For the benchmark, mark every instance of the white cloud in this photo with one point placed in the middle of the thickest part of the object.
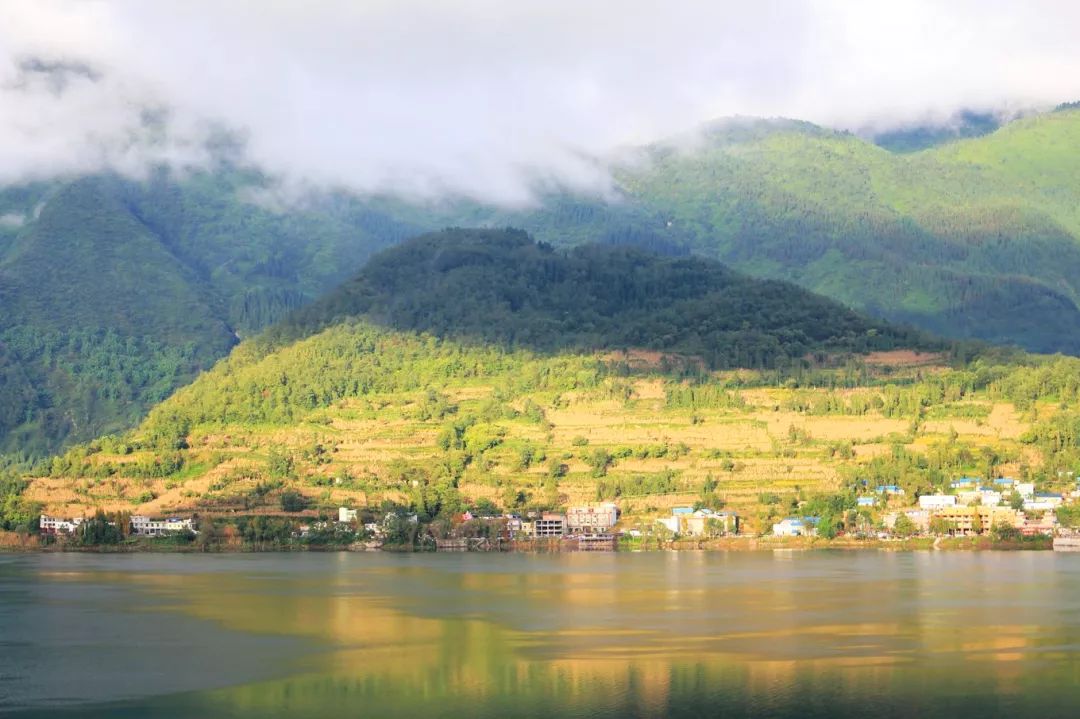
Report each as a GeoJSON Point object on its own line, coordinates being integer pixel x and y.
{"type": "Point", "coordinates": [484, 97]}
{"type": "Point", "coordinates": [12, 219]}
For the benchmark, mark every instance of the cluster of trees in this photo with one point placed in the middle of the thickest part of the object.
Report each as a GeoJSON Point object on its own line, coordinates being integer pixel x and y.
{"type": "Point", "coordinates": [702, 395]}
{"type": "Point", "coordinates": [499, 287]}
{"type": "Point", "coordinates": [352, 360]}
{"type": "Point", "coordinates": [15, 512]}
{"type": "Point", "coordinates": [104, 528]}
{"type": "Point", "coordinates": [637, 485]}
{"type": "Point", "coordinates": [78, 384]}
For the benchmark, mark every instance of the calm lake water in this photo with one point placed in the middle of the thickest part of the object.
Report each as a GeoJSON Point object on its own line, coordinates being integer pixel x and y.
{"type": "Point", "coordinates": [804, 634]}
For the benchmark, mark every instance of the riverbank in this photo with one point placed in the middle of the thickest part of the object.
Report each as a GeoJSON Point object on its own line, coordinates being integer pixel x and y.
{"type": "Point", "coordinates": [12, 542]}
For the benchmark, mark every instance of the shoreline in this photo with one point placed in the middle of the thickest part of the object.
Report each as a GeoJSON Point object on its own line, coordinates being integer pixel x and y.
{"type": "Point", "coordinates": [12, 543]}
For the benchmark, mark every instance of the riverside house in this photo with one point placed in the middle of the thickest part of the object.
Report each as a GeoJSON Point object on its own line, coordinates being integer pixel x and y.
{"type": "Point", "coordinates": [690, 522]}
{"type": "Point", "coordinates": [592, 518]}
{"type": "Point", "coordinates": [144, 526]}
{"type": "Point", "coordinates": [920, 518]}
{"type": "Point", "coordinates": [795, 527]}
{"type": "Point", "coordinates": [55, 525]}
{"type": "Point", "coordinates": [549, 524]}
{"type": "Point", "coordinates": [962, 520]}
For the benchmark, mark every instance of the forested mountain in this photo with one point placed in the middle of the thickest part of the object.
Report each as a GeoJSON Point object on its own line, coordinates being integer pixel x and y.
{"type": "Point", "coordinates": [478, 368]}
{"type": "Point", "coordinates": [976, 238]}
{"type": "Point", "coordinates": [477, 303]}
{"type": "Point", "coordinates": [492, 316]}
{"type": "Point", "coordinates": [114, 292]}
{"type": "Point", "coordinates": [500, 287]}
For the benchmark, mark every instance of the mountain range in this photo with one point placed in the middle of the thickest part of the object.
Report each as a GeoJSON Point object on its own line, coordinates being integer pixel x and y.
{"type": "Point", "coordinates": [117, 291]}
{"type": "Point", "coordinates": [480, 368]}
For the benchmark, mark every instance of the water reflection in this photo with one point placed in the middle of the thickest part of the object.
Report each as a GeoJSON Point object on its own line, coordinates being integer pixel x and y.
{"type": "Point", "coordinates": [686, 634]}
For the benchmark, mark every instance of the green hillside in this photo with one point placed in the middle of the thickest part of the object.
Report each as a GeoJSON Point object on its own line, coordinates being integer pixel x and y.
{"type": "Point", "coordinates": [473, 368]}
{"type": "Point", "coordinates": [977, 238]}
{"type": "Point", "coordinates": [466, 302]}
{"type": "Point", "coordinates": [115, 293]}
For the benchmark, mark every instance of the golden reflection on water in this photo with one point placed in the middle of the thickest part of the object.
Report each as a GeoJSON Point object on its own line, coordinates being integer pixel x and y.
{"type": "Point", "coordinates": [414, 634]}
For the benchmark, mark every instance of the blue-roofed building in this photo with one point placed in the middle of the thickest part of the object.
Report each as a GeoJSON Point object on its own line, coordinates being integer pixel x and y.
{"type": "Point", "coordinates": [1004, 482]}
{"type": "Point", "coordinates": [889, 489]}
{"type": "Point", "coordinates": [682, 510]}
{"type": "Point", "coordinates": [965, 482]}
{"type": "Point", "coordinates": [795, 527]}
{"type": "Point", "coordinates": [1043, 502]}
{"type": "Point", "coordinates": [789, 527]}
{"type": "Point", "coordinates": [865, 501]}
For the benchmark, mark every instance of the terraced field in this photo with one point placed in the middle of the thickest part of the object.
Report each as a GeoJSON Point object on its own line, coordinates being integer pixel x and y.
{"type": "Point", "coordinates": [754, 458]}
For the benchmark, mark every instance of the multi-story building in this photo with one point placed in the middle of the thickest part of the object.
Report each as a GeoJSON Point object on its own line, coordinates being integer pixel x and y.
{"type": "Point", "coordinates": [919, 517]}
{"type": "Point", "coordinates": [346, 515]}
{"type": "Point", "coordinates": [549, 524]}
{"type": "Point", "coordinates": [981, 495]}
{"type": "Point", "coordinates": [144, 526]}
{"type": "Point", "coordinates": [55, 525]}
{"type": "Point", "coordinates": [1045, 524]}
{"type": "Point", "coordinates": [592, 519]}
{"type": "Point", "coordinates": [962, 520]}
{"type": "Point", "coordinates": [1043, 502]}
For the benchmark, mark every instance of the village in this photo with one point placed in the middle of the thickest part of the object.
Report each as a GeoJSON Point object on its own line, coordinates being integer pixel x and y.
{"type": "Point", "coordinates": [1004, 507]}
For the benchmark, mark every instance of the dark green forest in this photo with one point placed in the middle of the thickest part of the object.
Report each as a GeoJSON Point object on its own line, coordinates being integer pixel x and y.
{"type": "Point", "coordinates": [500, 287]}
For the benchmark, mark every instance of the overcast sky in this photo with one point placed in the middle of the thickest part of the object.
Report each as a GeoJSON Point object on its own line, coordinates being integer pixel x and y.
{"type": "Point", "coordinates": [483, 97]}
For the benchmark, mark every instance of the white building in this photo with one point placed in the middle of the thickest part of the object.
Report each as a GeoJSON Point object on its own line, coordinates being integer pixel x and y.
{"type": "Point", "coordinates": [937, 501]}
{"type": "Point", "coordinates": [144, 526]}
{"type": "Point", "coordinates": [985, 497]}
{"type": "Point", "coordinates": [794, 527]}
{"type": "Point", "coordinates": [919, 517]}
{"type": "Point", "coordinates": [672, 523]}
{"type": "Point", "coordinates": [1025, 489]}
{"type": "Point", "coordinates": [55, 525]}
{"type": "Point", "coordinates": [702, 522]}
{"type": "Point", "coordinates": [345, 515]}
{"type": "Point", "coordinates": [1043, 502]}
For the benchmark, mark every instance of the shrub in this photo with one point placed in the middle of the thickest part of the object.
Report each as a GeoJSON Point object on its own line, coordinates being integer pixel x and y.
{"type": "Point", "coordinates": [293, 501]}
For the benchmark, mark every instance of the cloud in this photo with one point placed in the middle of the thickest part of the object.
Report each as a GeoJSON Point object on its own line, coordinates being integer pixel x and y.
{"type": "Point", "coordinates": [487, 98]}
{"type": "Point", "coordinates": [12, 219]}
